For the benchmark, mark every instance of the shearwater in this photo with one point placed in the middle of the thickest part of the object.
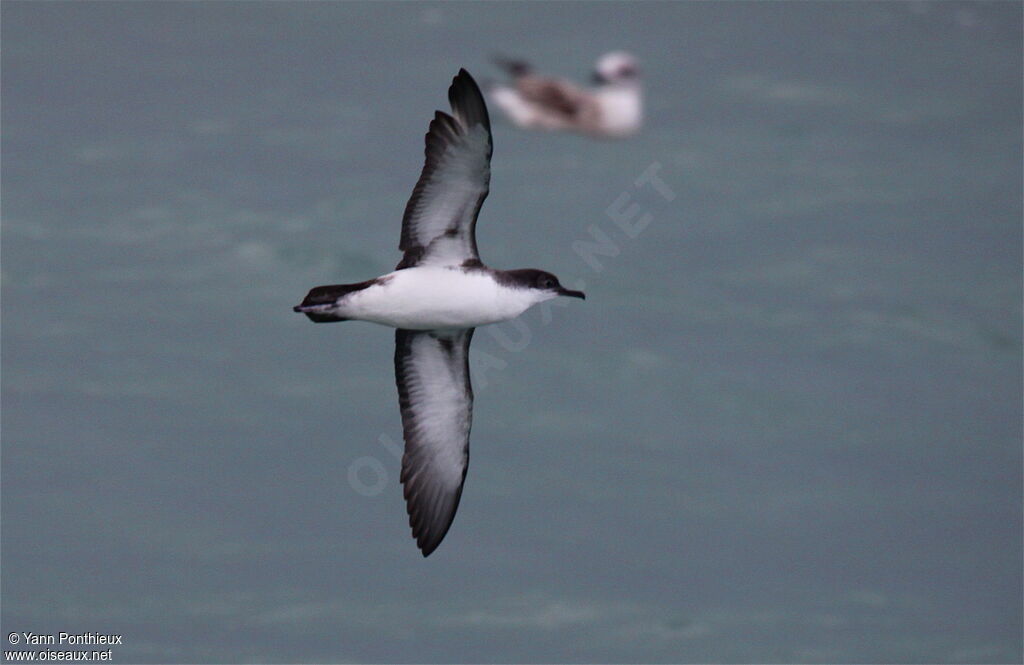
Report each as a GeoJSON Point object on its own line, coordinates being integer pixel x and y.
{"type": "Point", "coordinates": [439, 293]}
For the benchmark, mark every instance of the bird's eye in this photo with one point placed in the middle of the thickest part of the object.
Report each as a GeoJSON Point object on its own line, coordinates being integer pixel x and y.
{"type": "Point", "coordinates": [545, 282]}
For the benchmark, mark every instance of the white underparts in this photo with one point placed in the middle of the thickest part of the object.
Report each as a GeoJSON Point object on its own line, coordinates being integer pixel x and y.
{"type": "Point", "coordinates": [431, 298]}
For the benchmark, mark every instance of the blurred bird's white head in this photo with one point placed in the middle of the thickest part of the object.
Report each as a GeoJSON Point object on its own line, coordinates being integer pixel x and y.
{"type": "Point", "coordinates": [617, 67]}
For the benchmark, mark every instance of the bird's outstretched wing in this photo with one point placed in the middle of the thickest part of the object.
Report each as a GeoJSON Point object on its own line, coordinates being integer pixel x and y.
{"type": "Point", "coordinates": [436, 399]}
{"type": "Point", "coordinates": [439, 226]}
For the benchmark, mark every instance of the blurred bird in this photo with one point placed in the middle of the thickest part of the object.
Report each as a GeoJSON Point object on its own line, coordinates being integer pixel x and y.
{"type": "Point", "coordinates": [613, 108]}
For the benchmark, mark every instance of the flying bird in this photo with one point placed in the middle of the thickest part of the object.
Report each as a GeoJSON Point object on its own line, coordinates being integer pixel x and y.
{"type": "Point", "coordinates": [611, 109]}
{"type": "Point", "coordinates": [435, 298]}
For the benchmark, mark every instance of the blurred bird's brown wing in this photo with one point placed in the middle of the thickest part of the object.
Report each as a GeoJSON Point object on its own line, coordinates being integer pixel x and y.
{"type": "Point", "coordinates": [555, 96]}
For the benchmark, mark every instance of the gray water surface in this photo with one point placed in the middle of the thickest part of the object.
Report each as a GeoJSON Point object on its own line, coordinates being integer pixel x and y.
{"type": "Point", "coordinates": [785, 426]}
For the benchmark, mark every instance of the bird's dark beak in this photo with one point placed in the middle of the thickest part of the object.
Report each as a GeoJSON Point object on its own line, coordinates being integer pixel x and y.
{"type": "Point", "coordinates": [572, 294]}
{"type": "Point", "coordinates": [596, 78]}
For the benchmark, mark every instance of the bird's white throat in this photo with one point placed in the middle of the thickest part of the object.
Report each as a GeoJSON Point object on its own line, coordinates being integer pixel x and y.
{"type": "Point", "coordinates": [621, 108]}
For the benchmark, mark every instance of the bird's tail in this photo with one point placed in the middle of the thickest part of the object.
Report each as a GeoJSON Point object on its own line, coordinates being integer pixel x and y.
{"type": "Point", "coordinates": [317, 315]}
{"type": "Point", "coordinates": [321, 303]}
{"type": "Point", "coordinates": [512, 66]}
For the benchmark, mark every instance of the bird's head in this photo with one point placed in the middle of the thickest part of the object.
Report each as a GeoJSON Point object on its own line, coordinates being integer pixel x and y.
{"type": "Point", "coordinates": [617, 67]}
{"type": "Point", "coordinates": [543, 284]}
